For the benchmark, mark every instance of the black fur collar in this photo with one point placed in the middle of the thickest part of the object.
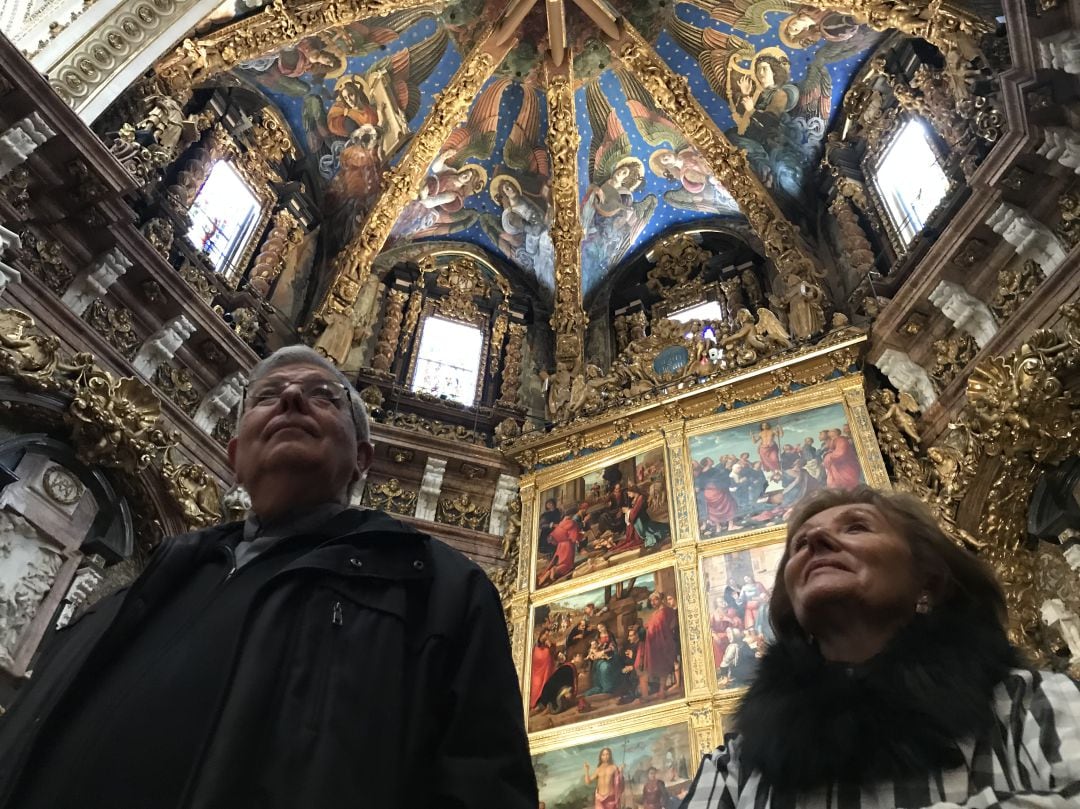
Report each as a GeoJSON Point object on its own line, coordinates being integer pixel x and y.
{"type": "Point", "coordinates": [807, 722]}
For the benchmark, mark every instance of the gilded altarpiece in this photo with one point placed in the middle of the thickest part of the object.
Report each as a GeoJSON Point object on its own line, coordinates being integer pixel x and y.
{"type": "Point", "coordinates": [649, 550]}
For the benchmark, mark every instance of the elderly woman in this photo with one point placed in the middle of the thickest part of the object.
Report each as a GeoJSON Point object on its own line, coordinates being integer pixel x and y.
{"type": "Point", "coordinates": [892, 682]}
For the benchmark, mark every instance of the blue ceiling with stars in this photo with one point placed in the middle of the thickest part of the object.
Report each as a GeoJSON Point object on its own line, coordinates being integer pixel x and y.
{"type": "Point", "coordinates": [771, 75]}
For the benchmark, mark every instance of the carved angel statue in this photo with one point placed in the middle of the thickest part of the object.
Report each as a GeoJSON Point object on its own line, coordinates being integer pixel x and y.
{"type": "Point", "coordinates": [753, 340]}
{"type": "Point", "coordinates": [195, 491]}
{"type": "Point", "coordinates": [23, 352]}
{"type": "Point", "coordinates": [901, 412]}
{"type": "Point", "coordinates": [804, 299]}
{"type": "Point", "coordinates": [585, 390]}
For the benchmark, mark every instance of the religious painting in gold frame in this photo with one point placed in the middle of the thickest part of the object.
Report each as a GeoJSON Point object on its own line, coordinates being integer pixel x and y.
{"type": "Point", "coordinates": [736, 583]}
{"type": "Point", "coordinates": [605, 650]}
{"type": "Point", "coordinates": [650, 762]}
{"type": "Point", "coordinates": [750, 465]}
{"type": "Point", "coordinates": [610, 509]}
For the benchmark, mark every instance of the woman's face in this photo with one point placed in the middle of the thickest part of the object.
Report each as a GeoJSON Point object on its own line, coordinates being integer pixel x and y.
{"type": "Point", "coordinates": [765, 74]}
{"type": "Point", "coordinates": [850, 555]}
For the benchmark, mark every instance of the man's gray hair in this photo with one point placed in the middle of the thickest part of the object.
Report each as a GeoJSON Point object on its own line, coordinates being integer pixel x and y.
{"type": "Point", "coordinates": [305, 355]}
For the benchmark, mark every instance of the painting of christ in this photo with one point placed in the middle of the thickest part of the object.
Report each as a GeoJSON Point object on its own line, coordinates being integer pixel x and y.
{"type": "Point", "coordinates": [750, 476]}
{"type": "Point", "coordinates": [650, 769]}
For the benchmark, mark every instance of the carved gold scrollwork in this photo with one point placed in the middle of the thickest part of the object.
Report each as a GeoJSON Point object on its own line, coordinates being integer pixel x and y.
{"type": "Point", "coordinates": [1015, 286]}
{"type": "Point", "coordinates": [285, 235]}
{"type": "Point", "coordinates": [390, 496]}
{"type": "Point", "coordinates": [195, 491]}
{"type": "Point", "coordinates": [463, 512]}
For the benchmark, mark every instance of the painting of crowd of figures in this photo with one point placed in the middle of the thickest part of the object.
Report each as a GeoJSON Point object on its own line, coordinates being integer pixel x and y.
{"type": "Point", "coordinates": [628, 597]}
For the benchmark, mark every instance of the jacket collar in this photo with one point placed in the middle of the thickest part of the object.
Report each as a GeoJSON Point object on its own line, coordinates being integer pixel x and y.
{"type": "Point", "coordinates": [806, 722]}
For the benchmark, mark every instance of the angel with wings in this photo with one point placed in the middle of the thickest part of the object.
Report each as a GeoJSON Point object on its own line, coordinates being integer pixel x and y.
{"type": "Point", "coordinates": [610, 216]}
{"type": "Point", "coordinates": [778, 121]}
{"type": "Point", "coordinates": [801, 26]}
{"type": "Point", "coordinates": [675, 159]}
{"type": "Point", "coordinates": [440, 210]}
{"type": "Point", "coordinates": [521, 188]}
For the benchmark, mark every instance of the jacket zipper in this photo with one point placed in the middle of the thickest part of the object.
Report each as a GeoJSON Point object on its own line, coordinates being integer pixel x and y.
{"type": "Point", "coordinates": [336, 617]}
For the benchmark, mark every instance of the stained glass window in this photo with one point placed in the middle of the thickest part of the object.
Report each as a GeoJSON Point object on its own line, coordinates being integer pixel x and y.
{"type": "Point", "coordinates": [223, 218]}
{"type": "Point", "coordinates": [911, 180]}
{"type": "Point", "coordinates": [448, 362]}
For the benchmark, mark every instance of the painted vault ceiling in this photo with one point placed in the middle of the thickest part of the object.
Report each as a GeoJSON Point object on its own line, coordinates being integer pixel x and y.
{"type": "Point", "coordinates": [771, 75]}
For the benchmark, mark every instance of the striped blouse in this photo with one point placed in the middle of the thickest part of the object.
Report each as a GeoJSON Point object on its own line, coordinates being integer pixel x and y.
{"type": "Point", "coordinates": [1032, 761]}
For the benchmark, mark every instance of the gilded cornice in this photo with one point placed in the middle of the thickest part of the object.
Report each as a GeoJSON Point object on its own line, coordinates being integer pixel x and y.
{"type": "Point", "coordinates": [400, 185]}
{"type": "Point", "coordinates": [568, 321]}
{"type": "Point", "coordinates": [276, 26]}
{"type": "Point", "coordinates": [782, 240]}
{"type": "Point", "coordinates": [837, 352]}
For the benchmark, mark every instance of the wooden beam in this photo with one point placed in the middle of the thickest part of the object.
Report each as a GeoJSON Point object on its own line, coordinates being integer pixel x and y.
{"type": "Point", "coordinates": [351, 271]}
{"type": "Point", "coordinates": [556, 20]}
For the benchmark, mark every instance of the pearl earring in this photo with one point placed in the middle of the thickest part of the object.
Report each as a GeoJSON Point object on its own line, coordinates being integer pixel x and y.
{"type": "Point", "coordinates": [922, 606]}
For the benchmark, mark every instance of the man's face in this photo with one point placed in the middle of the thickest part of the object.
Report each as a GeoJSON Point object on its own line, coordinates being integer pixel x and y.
{"type": "Point", "coordinates": [310, 439]}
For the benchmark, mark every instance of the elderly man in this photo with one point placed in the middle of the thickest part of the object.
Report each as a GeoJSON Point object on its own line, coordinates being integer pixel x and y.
{"type": "Point", "coordinates": [314, 657]}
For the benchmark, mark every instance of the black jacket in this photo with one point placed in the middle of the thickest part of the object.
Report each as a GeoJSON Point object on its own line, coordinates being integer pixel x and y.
{"type": "Point", "coordinates": [365, 664]}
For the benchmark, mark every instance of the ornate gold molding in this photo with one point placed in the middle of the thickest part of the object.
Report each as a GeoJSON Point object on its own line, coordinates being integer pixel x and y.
{"type": "Point", "coordinates": [390, 495]}
{"type": "Point", "coordinates": [463, 512]}
{"type": "Point", "coordinates": [797, 267]}
{"type": "Point", "coordinates": [276, 26]}
{"type": "Point", "coordinates": [353, 265]}
{"type": "Point", "coordinates": [568, 320]}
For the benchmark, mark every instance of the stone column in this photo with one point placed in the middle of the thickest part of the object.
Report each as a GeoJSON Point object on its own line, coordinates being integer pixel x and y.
{"type": "Point", "coordinates": [907, 376]}
{"type": "Point", "coordinates": [386, 347]}
{"type": "Point", "coordinates": [8, 274]}
{"type": "Point", "coordinates": [220, 401]}
{"type": "Point", "coordinates": [967, 312]}
{"type": "Point", "coordinates": [18, 142]}
{"type": "Point", "coordinates": [505, 489]}
{"type": "Point", "coordinates": [162, 346]}
{"type": "Point", "coordinates": [427, 500]}
{"type": "Point", "coordinates": [95, 282]}
{"type": "Point", "coordinates": [511, 370]}
{"type": "Point", "coordinates": [856, 253]}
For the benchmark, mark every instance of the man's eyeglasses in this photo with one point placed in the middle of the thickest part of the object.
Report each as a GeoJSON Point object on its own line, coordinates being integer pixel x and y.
{"type": "Point", "coordinates": [319, 392]}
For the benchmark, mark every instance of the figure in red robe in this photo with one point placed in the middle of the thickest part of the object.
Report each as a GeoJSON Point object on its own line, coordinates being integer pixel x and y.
{"type": "Point", "coordinates": [566, 536]}
{"type": "Point", "coordinates": [767, 439]}
{"type": "Point", "coordinates": [658, 650]}
{"type": "Point", "coordinates": [543, 666]}
{"type": "Point", "coordinates": [841, 463]}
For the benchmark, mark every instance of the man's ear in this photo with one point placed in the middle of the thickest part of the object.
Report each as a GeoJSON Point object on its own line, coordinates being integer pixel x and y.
{"type": "Point", "coordinates": [365, 454]}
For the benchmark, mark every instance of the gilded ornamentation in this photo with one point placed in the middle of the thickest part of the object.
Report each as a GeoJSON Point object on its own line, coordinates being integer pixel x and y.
{"type": "Point", "coordinates": [285, 235]}
{"type": "Point", "coordinates": [62, 486]}
{"type": "Point", "coordinates": [45, 259]}
{"type": "Point", "coordinates": [159, 232]}
{"type": "Point", "coordinates": [353, 265]}
{"type": "Point", "coordinates": [176, 383]}
{"type": "Point", "coordinates": [115, 422]}
{"type": "Point", "coordinates": [511, 553]}
{"type": "Point", "coordinates": [1014, 287]}
{"type": "Point", "coordinates": [14, 189]}
{"type": "Point", "coordinates": [511, 370]}
{"type": "Point", "coordinates": [189, 179]}
{"type": "Point", "coordinates": [195, 491]}
{"type": "Point", "coordinates": [782, 241]}
{"type": "Point", "coordinates": [1068, 228]}
{"type": "Point", "coordinates": [412, 318]}
{"type": "Point", "coordinates": [277, 25]}
{"type": "Point", "coordinates": [439, 429]}
{"type": "Point", "coordinates": [676, 274]}
{"type": "Point", "coordinates": [116, 325]}
{"type": "Point", "coordinates": [198, 280]}
{"type": "Point", "coordinates": [855, 251]}
{"type": "Point", "coordinates": [951, 356]}
{"type": "Point", "coordinates": [245, 322]}
{"type": "Point", "coordinates": [463, 512]}
{"type": "Point", "coordinates": [568, 320]}
{"type": "Point", "coordinates": [464, 281]}
{"type": "Point", "coordinates": [498, 333]}
{"type": "Point", "coordinates": [390, 496]}
{"type": "Point", "coordinates": [386, 347]}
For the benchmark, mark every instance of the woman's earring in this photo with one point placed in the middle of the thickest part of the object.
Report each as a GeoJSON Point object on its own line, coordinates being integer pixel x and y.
{"type": "Point", "coordinates": [922, 606]}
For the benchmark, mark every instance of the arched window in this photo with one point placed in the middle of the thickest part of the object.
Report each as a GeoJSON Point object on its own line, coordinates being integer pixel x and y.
{"type": "Point", "coordinates": [448, 360]}
{"type": "Point", "coordinates": [910, 180]}
{"type": "Point", "coordinates": [224, 218]}
{"type": "Point", "coordinates": [707, 311]}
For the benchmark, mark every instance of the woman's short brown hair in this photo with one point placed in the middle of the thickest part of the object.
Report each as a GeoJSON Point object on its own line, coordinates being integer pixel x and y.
{"type": "Point", "coordinates": [958, 579]}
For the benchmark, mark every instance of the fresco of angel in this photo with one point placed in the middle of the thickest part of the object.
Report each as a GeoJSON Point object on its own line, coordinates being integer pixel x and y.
{"type": "Point", "coordinates": [801, 26]}
{"type": "Point", "coordinates": [521, 189]}
{"type": "Point", "coordinates": [676, 159]}
{"type": "Point", "coordinates": [611, 217]}
{"type": "Point", "coordinates": [440, 208]}
{"type": "Point", "coordinates": [779, 121]}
